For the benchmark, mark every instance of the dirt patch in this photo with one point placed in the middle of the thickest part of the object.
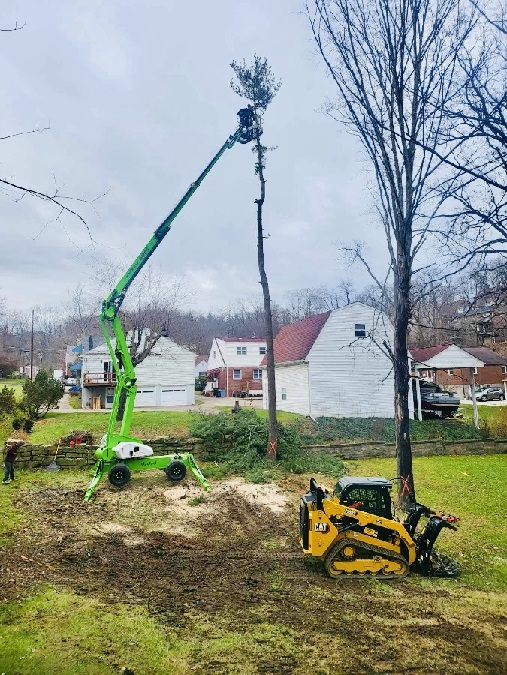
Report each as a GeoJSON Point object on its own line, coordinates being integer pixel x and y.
{"type": "Point", "coordinates": [235, 558]}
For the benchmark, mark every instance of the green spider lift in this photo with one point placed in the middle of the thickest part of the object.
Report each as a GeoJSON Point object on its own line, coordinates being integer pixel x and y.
{"type": "Point", "coordinates": [120, 453]}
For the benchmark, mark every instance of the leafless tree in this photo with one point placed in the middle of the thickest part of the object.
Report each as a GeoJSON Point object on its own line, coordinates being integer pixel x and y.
{"type": "Point", "coordinates": [257, 83]}
{"type": "Point", "coordinates": [476, 148]}
{"type": "Point", "coordinates": [17, 190]}
{"type": "Point", "coordinates": [393, 63]}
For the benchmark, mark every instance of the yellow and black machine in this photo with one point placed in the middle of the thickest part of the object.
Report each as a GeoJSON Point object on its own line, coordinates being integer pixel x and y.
{"type": "Point", "coordinates": [353, 531]}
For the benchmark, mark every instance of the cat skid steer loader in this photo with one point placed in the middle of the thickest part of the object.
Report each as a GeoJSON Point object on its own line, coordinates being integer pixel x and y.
{"type": "Point", "coordinates": [354, 533]}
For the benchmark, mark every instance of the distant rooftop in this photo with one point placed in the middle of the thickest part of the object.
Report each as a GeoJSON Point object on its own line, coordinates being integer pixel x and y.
{"type": "Point", "coordinates": [242, 339]}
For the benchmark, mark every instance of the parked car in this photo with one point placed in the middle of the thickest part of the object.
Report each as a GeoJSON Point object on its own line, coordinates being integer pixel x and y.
{"type": "Point", "coordinates": [435, 402]}
{"type": "Point", "coordinates": [75, 389]}
{"type": "Point", "coordinates": [491, 394]}
{"type": "Point", "coordinates": [71, 381]}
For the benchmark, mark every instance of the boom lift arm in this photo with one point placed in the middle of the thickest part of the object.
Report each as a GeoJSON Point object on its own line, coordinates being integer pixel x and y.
{"type": "Point", "coordinates": [120, 453]}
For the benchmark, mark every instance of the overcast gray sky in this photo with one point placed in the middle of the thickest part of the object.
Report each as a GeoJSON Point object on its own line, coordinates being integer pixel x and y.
{"type": "Point", "coordinates": [138, 98]}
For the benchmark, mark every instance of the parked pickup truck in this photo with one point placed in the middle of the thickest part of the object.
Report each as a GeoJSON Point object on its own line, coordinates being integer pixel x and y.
{"type": "Point", "coordinates": [435, 402]}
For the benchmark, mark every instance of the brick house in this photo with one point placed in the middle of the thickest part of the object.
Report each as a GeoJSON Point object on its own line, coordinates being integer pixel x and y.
{"type": "Point", "coordinates": [493, 372]}
{"type": "Point", "coordinates": [234, 366]}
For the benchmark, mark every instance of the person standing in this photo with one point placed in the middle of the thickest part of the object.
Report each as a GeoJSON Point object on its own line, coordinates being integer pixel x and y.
{"type": "Point", "coordinates": [10, 454]}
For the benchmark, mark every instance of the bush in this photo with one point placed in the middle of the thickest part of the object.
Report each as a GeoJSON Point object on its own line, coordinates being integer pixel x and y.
{"type": "Point", "coordinates": [8, 403]}
{"type": "Point", "coordinates": [237, 443]}
{"type": "Point", "coordinates": [41, 394]}
{"type": "Point", "coordinates": [22, 423]}
{"type": "Point", "coordinates": [201, 382]}
{"type": "Point", "coordinates": [17, 423]}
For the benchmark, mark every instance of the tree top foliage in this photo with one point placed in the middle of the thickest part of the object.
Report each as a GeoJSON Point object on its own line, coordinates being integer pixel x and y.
{"type": "Point", "coordinates": [256, 82]}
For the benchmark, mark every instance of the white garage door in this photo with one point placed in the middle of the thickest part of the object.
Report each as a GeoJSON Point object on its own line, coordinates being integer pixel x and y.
{"type": "Point", "coordinates": [145, 398]}
{"type": "Point", "coordinates": [173, 396]}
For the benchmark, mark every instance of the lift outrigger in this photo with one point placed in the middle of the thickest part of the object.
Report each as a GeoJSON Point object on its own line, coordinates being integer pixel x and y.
{"type": "Point", "coordinates": [120, 453]}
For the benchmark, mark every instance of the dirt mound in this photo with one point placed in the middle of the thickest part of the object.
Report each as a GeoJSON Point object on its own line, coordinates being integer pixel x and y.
{"type": "Point", "coordinates": [175, 543]}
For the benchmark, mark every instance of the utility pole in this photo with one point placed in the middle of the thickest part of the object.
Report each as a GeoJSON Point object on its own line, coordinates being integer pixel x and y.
{"type": "Point", "coordinates": [31, 350]}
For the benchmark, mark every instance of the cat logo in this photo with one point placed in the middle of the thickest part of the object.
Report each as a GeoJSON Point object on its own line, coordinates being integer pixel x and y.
{"type": "Point", "coordinates": [370, 531]}
{"type": "Point", "coordinates": [321, 527]}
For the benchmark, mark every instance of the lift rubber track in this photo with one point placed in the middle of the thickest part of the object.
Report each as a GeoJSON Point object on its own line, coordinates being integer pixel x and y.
{"type": "Point", "coordinates": [364, 553]}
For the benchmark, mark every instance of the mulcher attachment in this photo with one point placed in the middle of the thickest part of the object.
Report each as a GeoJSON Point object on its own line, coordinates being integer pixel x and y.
{"type": "Point", "coordinates": [428, 562]}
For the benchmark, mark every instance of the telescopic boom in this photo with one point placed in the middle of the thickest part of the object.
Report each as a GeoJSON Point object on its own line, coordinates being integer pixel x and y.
{"type": "Point", "coordinates": [109, 455]}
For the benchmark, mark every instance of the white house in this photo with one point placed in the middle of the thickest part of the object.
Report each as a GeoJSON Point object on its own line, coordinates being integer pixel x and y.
{"type": "Point", "coordinates": [164, 378]}
{"type": "Point", "coordinates": [234, 366]}
{"type": "Point", "coordinates": [335, 365]}
{"type": "Point", "coordinates": [201, 365]}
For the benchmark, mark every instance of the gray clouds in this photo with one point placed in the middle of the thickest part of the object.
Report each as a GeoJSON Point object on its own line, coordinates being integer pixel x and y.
{"type": "Point", "coordinates": [139, 101]}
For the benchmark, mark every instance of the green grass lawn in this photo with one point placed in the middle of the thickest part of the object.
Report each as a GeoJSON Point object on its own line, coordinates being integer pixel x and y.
{"type": "Point", "coordinates": [492, 418]}
{"type": "Point", "coordinates": [145, 425]}
{"type": "Point", "coordinates": [156, 424]}
{"type": "Point", "coordinates": [11, 383]}
{"type": "Point", "coordinates": [474, 489]}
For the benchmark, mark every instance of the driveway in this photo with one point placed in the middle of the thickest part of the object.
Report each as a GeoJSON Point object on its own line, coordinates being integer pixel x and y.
{"type": "Point", "coordinates": [207, 404]}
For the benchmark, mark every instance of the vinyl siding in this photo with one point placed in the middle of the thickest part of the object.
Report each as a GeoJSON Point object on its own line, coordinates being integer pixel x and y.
{"type": "Point", "coordinates": [294, 380]}
{"type": "Point", "coordinates": [226, 354]}
{"type": "Point", "coordinates": [169, 365]}
{"type": "Point", "coordinates": [349, 376]}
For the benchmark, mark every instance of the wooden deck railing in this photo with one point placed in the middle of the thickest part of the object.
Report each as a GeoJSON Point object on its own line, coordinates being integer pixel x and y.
{"type": "Point", "coordinates": [103, 379]}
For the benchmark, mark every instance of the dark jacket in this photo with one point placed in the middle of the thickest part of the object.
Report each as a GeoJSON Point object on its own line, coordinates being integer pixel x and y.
{"type": "Point", "coordinates": [11, 453]}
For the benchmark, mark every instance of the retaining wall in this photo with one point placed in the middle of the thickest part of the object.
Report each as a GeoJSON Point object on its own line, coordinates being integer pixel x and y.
{"type": "Point", "coordinates": [419, 448]}
{"type": "Point", "coordinates": [36, 456]}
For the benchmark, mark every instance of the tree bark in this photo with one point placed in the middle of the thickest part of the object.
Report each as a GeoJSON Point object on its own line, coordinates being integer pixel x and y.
{"type": "Point", "coordinates": [403, 272]}
{"type": "Point", "coordinates": [268, 317]}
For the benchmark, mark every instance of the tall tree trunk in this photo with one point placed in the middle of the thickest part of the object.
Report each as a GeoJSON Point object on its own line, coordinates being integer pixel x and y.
{"type": "Point", "coordinates": [402, 277]}
{"type": "Point", "coordinates": [268, 317]}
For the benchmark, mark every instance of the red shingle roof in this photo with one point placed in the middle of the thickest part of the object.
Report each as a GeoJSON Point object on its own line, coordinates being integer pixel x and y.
{"type": "Point", "coordinates": [487, 356]}
{"type": "Point", "coordinates": [426, 353]}
{"type": "Point", "coordinates": [295, 341]}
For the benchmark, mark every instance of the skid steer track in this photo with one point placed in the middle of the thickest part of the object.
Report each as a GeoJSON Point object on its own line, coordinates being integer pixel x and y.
{"type": "Point", "coordinates": [383, 564]}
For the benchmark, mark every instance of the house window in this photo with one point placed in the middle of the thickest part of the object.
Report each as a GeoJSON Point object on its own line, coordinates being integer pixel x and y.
{"type": "Point", "coordinates": [214, 355]}
{"type": "Point", "coordinates": [476, 371]}
{"type": "Point", "coordinates": [236, 374]}
{"type": "Point", "coordinates": [241, 351]}
{"type": "Point", "coordinates": [284, 394]}
{"type": "Point", "coordinates": [450, 371]}
{"type": "Point", "coordinates": [257, 374]}
{"type": "Point", "coordinates": [504, 370]}
{"type": "Point", "coordinates": [360, 330]}
{"type": "Point", "coordinates": [262, 350]}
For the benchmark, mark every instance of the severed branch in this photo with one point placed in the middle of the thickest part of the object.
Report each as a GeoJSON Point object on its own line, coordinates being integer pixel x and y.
{"type": "Point", "coordinates": [11, 30]}
{"type": "Point", "coordinates": [25, 133]}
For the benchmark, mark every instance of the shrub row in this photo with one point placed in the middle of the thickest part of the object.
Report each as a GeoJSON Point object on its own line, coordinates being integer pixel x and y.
{"type": "Point", "coordinates": [238, 443]}
{"type": "Point", "coordinates": [329, 429]}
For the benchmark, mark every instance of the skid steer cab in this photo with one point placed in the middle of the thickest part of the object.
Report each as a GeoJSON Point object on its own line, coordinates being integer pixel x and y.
{"type": "Point", "coordinates": [354, 533]}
